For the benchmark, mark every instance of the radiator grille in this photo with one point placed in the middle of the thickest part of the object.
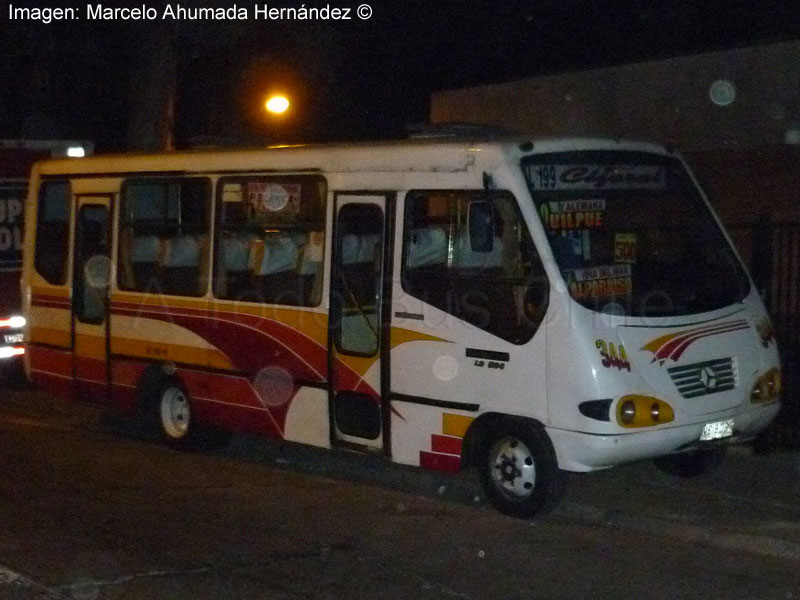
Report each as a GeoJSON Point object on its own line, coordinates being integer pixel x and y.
{"type": "Point", "coordinates": [701, 379]}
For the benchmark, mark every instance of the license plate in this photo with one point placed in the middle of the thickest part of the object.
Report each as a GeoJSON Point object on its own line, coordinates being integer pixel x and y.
{"type": "Point", "coordinates": [14, 338]}
{"type": "Point", "coordinates": [717, 431]}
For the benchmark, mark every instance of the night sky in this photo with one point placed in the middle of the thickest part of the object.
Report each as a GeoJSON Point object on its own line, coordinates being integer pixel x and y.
{"type": "Point", "coordinates": [355, 79]}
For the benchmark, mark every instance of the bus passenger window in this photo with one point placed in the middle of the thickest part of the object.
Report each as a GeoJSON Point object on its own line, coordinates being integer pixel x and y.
{"type": "Point", "coordinates": [469, 253]}
{"type": "Point", "coordinates": [164, 235]}
{"type": "Point", "coordinates": [270, 240]}
{"type": "Point", "coordinates": [52, 232]}
{"type": "Point", "coordinates": [356, 279]}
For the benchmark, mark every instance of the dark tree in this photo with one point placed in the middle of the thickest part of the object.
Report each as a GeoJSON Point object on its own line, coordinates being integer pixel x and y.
{"type": "Point", "coordinates": [153, 90]}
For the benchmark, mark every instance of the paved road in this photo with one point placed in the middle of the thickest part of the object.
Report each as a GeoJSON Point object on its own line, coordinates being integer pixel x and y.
{"type": "Point", "coordinates": [89, 511]}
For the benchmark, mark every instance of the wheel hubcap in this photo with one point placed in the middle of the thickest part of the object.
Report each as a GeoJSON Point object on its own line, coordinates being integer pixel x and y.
{"type": "Point", "coordinates": [513, 468]}
{"type": "Point", "coordinates": [175, 413]}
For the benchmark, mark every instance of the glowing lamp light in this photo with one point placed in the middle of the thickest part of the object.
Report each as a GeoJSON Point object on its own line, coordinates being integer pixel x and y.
{"type": "Point", "coordinates": [76, 152]}
{"type": "Point", "coordinates": [11, 351]}
{"type": "Point", "coordinates": [15, 322]}
{"type": "Point", "coordinates": [277, 104]}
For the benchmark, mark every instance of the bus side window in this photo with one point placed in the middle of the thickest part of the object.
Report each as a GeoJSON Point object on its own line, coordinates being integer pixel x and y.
{"type": "Point", "coordinates": [470, 254]}
{"type": "Point", "coordinates": [164, 231]}
{"type": "Point", "coordinates": [52, 232]}
{"type": "Point", "coordinates": [275, 260]}
{"type": "Point", "coordinates": [270, 239]}
{"type": "Point", "coordinates": [234, 252]}
{"type": "Point", "coordinates": [181, 265]}
{"type": "Point", "coordinates": [143, 252]}
{"type": "Point", "coordinates": [427, 246]}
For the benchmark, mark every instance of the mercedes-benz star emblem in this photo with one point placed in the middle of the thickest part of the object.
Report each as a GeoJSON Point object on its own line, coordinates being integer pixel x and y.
{"type": "Point", "coordinates": [708, 378]}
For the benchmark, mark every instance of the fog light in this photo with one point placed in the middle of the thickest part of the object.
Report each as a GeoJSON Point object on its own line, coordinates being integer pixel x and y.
{"type": "Point", "coordinates": [655, 411]}
{"type": "Point", "coordinates": [643, 411]}
{"type": "Point", "coordinates": [767, 388]}
{"type": "Point", "coordinates": [764, 388]}
{"type": "Point", "coordinates": [775, 383]}
{"type": "Point", "coordinates": [627, 412]}
{"type": "Point", "coordinates": [755, 394]}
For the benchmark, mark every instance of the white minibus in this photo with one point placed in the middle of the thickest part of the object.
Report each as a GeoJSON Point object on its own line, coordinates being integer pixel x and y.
{"type": "Point", "coordinates": [528, 308]}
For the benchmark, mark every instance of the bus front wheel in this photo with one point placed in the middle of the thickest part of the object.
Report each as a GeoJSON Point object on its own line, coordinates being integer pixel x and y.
{"type": "Point", "coordinates": [519, 470]}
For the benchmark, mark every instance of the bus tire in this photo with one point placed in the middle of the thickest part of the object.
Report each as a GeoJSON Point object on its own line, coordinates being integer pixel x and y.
{"type": "Point", "coordinates": [691, 463]}
{"type": "Point", "coordinates": [173, 414]}
{"type": "Point", "coordinates": [176, 425]}
{"type": "Point", "coordinates": [519, 470]}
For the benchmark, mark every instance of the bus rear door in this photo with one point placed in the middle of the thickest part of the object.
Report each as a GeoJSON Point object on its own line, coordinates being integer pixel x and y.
{"type": "Point", "coordinates": [91, 274]}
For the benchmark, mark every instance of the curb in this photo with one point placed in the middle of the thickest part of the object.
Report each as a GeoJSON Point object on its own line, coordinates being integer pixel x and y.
{"type": "Point", "coordinates": [707, 536]}
{"type": "Point", "coordinates": [15, 585]}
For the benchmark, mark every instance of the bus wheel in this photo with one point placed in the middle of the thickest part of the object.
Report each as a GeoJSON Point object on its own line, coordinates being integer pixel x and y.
{"type": "Point", "coordinates": [692, 463]}
{"type": "Point", "coordinates": [519, 470]}
{"type": "Point", "coordinates": [174, 414]}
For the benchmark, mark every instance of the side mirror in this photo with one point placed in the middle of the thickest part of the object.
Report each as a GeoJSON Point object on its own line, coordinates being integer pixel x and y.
{"type": "Point", "coordinates": [481, 226]}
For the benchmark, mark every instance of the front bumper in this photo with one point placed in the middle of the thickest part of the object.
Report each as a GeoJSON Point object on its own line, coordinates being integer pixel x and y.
{"type": "Point", "coordinates": [581, 452]}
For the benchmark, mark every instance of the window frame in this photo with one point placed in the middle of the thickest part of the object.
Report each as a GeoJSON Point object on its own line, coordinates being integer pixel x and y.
{"type": "Point", "coordinates": [41, 235]}
{"type": "Point", "coordinates": [207, 222]}
{"type": "Point", "coordinates": [677, 183]}
{"type": "Point", "coordinates": [81, 281]}
{"type": "Point", "coordinates": [455, 228]}
{"type": "Point", "coordinates": [310, 226]}
{"type": "Point", "coordinates": [338, 310]}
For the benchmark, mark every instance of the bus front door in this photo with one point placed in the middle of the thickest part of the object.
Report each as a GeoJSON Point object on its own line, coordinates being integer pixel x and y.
{"type": "Point", "coordinates": [359, 322]}
{"type": "Point", "coordinates": [91, 272]}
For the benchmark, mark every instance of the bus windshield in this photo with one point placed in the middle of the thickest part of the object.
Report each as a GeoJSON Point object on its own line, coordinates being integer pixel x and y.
{"type": "Point", "coordinates": [632, 235]}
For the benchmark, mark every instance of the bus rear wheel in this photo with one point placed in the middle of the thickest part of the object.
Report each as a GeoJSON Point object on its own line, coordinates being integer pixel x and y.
{"type": "Point", "coordinates": [176, 425]}
{"type": "Point", "coordinates": [519, 471]}
{"type": "Point", "coordinates": [175, 414]}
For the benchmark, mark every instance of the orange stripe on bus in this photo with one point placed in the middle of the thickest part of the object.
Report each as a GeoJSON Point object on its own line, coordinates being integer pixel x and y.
{"type": "Point", "coordinates": [52, 337]}
{"type": "Point", "coordinates": [402, 336]}
{"type": "Point", "coordinates": [170, 352]}
{"type": "Point", "coordinates": [91, 346]}
{"type": "Point", "coordinates": [455, 425]}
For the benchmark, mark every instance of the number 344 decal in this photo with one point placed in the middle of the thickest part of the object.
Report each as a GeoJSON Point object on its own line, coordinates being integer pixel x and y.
{"type": "Point", "coordinates": [613, 356]}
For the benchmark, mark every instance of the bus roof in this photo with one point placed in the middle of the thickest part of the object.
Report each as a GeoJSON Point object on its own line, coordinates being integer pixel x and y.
{"type": "Point", "coordinates": [413, 155]}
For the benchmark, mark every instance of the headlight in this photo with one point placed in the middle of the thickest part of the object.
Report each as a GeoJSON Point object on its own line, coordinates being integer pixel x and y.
{"type": "Point", "coordinates": [767, 388]}
{"type": "Point", "coordinates": [643, 411]}
{"type": "Point", "coordinates": [16, 322]}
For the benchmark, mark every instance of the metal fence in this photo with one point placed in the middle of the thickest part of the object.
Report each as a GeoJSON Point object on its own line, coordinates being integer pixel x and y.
{"type": "Point", "coordinates": [773, 252]}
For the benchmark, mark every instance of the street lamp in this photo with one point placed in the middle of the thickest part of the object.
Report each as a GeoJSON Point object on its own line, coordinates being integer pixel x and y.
{"type": "Point", "coordinates": [277, 104]}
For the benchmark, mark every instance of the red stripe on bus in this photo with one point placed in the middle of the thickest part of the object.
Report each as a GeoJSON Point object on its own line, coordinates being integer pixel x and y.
{"type": "Point", "coordinates": [57, 362]}
{"type": "Point", "coordinates": [446, 444]}
{"type": "Point", "coordinates": [439, 462]}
